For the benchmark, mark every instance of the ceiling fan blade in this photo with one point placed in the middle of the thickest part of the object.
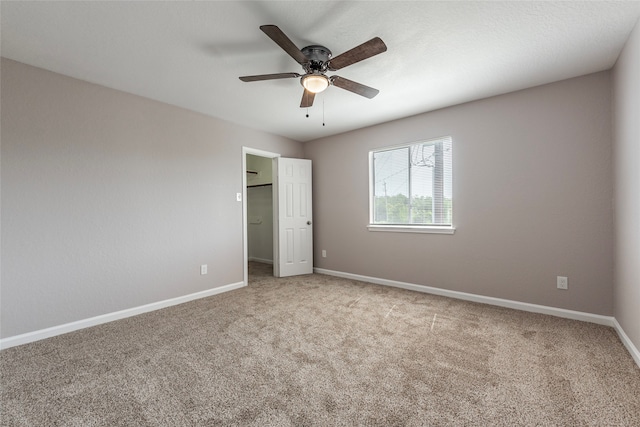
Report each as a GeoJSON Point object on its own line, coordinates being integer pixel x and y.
{"type": "Point", "coordinates": [307, 99]}
{"type": "Point", "coordinates": [351, 86]}
{"type": "Point", "coordinates": [268, 77]}
{"type": "Point", "coordinates": [284, 42]}
{"type": "Point", "coordinates": [358, 53]}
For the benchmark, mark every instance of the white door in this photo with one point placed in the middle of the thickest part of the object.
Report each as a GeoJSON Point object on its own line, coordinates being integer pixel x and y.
{"type": "Point", "coordinates": [294, 229]}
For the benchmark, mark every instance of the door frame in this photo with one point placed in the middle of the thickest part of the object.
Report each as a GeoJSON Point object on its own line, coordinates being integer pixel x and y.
{"type": "Point", "coordinates": [245, 245]}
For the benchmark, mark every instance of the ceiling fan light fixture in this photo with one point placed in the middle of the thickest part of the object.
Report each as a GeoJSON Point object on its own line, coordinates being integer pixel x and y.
{"type": "Point", "coordinates": [315, 83]}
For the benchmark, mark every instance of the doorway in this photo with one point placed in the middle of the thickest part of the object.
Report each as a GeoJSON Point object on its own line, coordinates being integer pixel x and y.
{"type": "Point", "coordinates": [258, 208]}
{"type": "Point", "coordinates": [286, 188]}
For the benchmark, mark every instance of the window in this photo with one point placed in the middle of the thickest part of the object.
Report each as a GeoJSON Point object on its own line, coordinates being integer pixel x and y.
{"type": "Point", "coordinates": [412, 187]}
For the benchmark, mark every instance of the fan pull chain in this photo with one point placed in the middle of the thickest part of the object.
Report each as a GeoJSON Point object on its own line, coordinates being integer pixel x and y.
{"type": "Point", "coordinates": [323, 111]}
{"type": "Point", "coordinates": [307, 114]}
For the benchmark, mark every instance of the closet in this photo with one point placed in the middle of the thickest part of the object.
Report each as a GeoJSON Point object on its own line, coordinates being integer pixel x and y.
{"type": "Point", "coordinates": [259, 209]}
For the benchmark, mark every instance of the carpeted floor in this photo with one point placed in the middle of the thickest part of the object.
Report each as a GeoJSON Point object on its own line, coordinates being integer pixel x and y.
{"type": "Point", "coordinates": [319, 350]}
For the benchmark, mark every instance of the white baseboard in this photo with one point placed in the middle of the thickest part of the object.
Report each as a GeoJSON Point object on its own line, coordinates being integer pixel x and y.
{"type": "Point", "coordinates": [110, 317]}
{"type": "Point", "coordinates": [517, 305]}
{"type": "Point", "coordinates": [262, 260]}
{"type": "Point", "coordinates": [627, 342]}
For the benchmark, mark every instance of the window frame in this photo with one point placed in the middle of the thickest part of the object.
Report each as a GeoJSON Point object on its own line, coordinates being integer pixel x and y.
{"type": "Point", "coordinates": [406, 228]}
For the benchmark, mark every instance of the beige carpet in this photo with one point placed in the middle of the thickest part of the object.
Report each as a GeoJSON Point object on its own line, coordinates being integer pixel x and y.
{"type": "Point", "coordinates": [317, 350]}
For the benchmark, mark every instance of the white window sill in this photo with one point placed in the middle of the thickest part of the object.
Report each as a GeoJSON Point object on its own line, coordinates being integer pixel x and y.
{"type": "Point", "coordinates": [412, 228]}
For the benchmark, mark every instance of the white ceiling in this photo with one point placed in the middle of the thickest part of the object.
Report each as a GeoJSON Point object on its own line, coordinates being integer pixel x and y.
{"type": "Point", "coordinates": [190, 54]}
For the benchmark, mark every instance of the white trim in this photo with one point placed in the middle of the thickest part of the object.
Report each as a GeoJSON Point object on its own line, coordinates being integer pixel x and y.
{"type": "Point", "coordinates": [275, 194]}
{"type": "Point", "coordinates": [412, 228]}
{"type": "Point", "coordinates": [517, 305]}
{"type": "Point", "coordinates": [627, 342]}
{"type": "Point", "coordinates": [110, 317]}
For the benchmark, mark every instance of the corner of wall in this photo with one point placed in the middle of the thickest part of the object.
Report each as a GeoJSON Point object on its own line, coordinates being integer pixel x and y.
{"type": "Point", "coordinates": [626, 200]}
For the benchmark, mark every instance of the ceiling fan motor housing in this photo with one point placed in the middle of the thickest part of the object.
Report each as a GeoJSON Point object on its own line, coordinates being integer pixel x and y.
{"type": "Point", "coordinates": [318, 56]}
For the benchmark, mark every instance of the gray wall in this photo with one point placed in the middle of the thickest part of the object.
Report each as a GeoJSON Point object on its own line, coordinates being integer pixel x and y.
{"type": "Point", "coordinates": [112, 201]}
{"type": "Point", "coordinates": [627, 183]}
{"type": "Point", "coordinates": [532, 199]}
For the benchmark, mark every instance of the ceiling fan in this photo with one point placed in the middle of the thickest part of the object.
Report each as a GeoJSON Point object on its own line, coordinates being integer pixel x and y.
{"type": "Point", "coordinates": [316, 60]}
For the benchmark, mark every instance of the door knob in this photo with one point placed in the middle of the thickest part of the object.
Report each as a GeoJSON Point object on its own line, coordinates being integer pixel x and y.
{"type": "Point", "coordinates": [308, 222]}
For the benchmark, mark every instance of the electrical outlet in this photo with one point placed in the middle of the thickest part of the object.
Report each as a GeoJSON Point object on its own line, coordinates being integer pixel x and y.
{"type": "Point", "coordinates": [203, 269]}
{"type": "Point", "coordinates": [563, 282]}
{"type": "Point", "coordinates": [324, 253]}
{"type": "Point", "coordinates": [238, 197]}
